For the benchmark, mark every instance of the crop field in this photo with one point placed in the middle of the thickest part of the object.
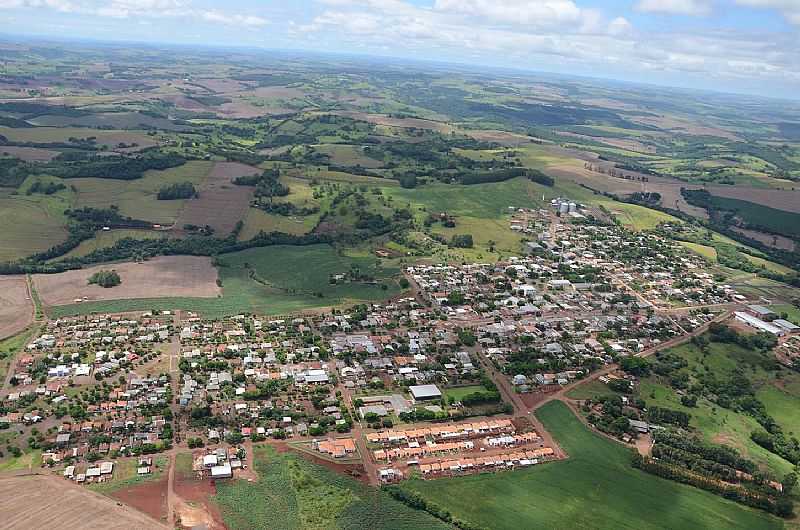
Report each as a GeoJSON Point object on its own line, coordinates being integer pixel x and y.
{"type": "Point", "coordinates": [16, 307]}
{"type": "Point", "coordinates": [596, 487]}
{"type": "Point", "coordinates": [168, 276]}
{"type": "Point", "coordinates": [44, 502]}
{"type": "Point", "coordinates": [348, 155]}
{"type": "Point", "coordinates": [271, 280]}
{"type": "Point", "coordinates": [786, 200]}
{"type": "Point", "coordinates": [107, 239]}
{"type": "Point", "coordinates": [111, 139]}
{"type": "Point", "coordinates": [771, 219]}
{"type": "Point", "coordinates": [292, 493]}
{"type": "Point", "coordinates": [137, 198]}
{"type": "Point", "coordinates": [30, 224]}
{"type": "Point", "coordinates": [221, 204]}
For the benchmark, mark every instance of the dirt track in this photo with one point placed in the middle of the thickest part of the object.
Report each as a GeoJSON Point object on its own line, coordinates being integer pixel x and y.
{"type": "Point", "coordinates": [43, 503]}
{"type": "Point", "coordinates": [16, 308]}
{"type": "Point", "coordinates": [168, 276]}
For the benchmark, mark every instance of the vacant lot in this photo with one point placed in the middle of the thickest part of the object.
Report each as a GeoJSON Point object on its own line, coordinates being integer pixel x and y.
{"type": "Point", "coordinates": [221, 203]}
{"type": "Point", "coordinates": [168, 276]}
{"type": "Point", "coordinates": [596, 487]}
{"type": "Point", "coordinates": [44, 503]}
{"type": "Point", "coordinates": [16, 309]}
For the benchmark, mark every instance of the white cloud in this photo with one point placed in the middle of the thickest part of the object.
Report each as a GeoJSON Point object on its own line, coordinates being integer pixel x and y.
{"type": "Point", "coordinates": [139, 9]}
{"type": "Point", "coordinates": [675, 7]}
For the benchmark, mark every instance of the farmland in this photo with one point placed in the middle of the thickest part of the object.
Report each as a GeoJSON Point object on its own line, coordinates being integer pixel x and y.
{"type": "Point", "coordinates": [271, 280]}
{"type": "Point", "coordinates": [594, 488]}
{"type": "Point", "coordinates": [16, 307]}
{"type": "Point", "coordinates": [47, 502]}
{"type": "Point", "coordinates": [160, 277]}
{"type": "Point", "coordinates": [31, 224]}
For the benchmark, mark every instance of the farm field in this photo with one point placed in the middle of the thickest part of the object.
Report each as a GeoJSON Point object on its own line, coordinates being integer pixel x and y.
{"type": "Point", "coordinates": [29, 154]}
{"type": "Point", "coordinates": [137, 198]}
{"type": "Point", "coordinates": [221, 204]}
{"type": "Point", "coordinates": [709, 253]}
{"type": "Point", "coordinates": [271, 280]}
{"type": "Point", "coordinates": [47, 503]}
{"type": "Point", "coordinates": [31, 224]}
{"type": "Point", "coordinates": [784, 222]}
{"type": "Point", "coordinates": [785, 200]}
{"type": "Point", "coordinates": [292, 493]}
{"type": "Point", "coordinates": [110, 139]}
{"type": "Point", "coordinates": [596, 487]}
{"type": "Point", "coordinates": [16, 307]}
{"type": "Point", "coordinates": [168, 276]}
{"type": "Point", "coordinates": [635, 216]}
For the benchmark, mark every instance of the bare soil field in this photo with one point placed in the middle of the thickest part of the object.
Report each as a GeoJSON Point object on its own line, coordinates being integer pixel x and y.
{"type": "Point", "coordinates": [194, 506]}
{"type": "Point", "coordinates": [162, 277]}
{"type": "Point", "coordinates": [149, 498]}
{"type": "Point", "coordinates": [16, 309]}
{"type": "Point", "coordinates": [221, 203]}
{"type": "Point", "coordinates": [29, 154]}
{"type": "Point", "coordinates": [42, 503]}
{"type": "Point", "coordinates": [783, 243]}
{"type": "Point", "coordinates": [787, 200]}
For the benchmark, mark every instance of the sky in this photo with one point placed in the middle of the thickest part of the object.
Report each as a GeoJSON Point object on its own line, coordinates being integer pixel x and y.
{"type": "Point", "coordinates": [747, 46]}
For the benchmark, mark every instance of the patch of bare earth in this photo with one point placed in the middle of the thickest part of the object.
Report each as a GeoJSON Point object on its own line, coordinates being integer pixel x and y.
{"type": "Point", "coordinates": [787, 200]}
{"type": "Point", "coordinates": [16, 308]}
{"type": "Point", "coordinates": [162, 277]}
{"type": "Point", "coordinates": [149, 498]}
{"type": "Point", "coordinates": [193, 503]}
{"type": "Point", "coordinates": [221, 203]}
{"type": "Point", "coordinates": [49, 503]}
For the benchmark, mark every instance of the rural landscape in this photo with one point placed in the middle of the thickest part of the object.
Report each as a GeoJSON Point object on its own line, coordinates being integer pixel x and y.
{"type": "Point", "coordinates": [243, 289]}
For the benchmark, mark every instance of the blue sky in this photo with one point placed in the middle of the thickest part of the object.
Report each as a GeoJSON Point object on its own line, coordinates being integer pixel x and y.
{"type": "Point", "coordinates": [727, 45]}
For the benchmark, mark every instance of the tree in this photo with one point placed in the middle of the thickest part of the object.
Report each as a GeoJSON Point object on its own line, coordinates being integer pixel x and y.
{"type": "Point", "coordinates": [105, 279]}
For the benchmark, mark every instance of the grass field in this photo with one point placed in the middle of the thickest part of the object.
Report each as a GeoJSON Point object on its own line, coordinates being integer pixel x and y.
{"type": "Point", "coordinates": [595, 488]}
{"type": "Point", "coordinates": [125, 475]}
{"type": "Point", "coordinates": [137, 198]}
{"type": "Point", "coordinates": [635, 216]}
{"type": "Point", "coordinates": [294, 494]}
{"type": "Point", "coordinates": [30, 223]}
{"type": "Point", "coordinates": [715, 423]}
{"type": "Point", "coordinates": [709, 253]}
{"type": "Point", "coordinates": [271, 280]}
{"type": "Point", "coordinates": [772, 219]}
{"type": "Point", "coordinates": [457, 393]}
{"type": "Point", "coordinates": [591, 390]}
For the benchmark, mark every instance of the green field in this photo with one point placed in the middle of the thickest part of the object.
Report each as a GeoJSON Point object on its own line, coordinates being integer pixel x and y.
{"type": "Point", "coordinates": [30, 223]}
{"type": "Point", "coordinates": [457, 393]}
{"type": "Point", "coordinates": [720, 425]}
{"type": "Point", "coordinates": [125, 475]}
{"type": "Point", "coordinates": [635, 216]}
{"type": "Point", "coordinates": [292, 493]}
{"type": "Point", "coordinates": [270, 280]}
{"type": "Point", "coordinates": [591, 390]}
{"type": "Point", "coordinates": [707, 252]}
{"type": "Point", "coordinates": [595, 488]}
{"type": "Point", "coordinates": [137, 198]}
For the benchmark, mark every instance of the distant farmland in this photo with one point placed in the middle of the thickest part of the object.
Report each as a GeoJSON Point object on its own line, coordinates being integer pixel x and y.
{"type": "Point", "coordinates": [16, 309]}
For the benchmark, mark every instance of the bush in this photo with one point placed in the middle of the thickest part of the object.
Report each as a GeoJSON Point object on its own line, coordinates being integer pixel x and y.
{"type": "Point", "coordinates": [182, 190]}
{"type": "Point", "coordinates": [105, 279]}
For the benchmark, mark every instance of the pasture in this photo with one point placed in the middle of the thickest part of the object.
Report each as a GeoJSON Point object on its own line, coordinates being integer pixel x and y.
{"type": "Point", "coordinates": [596, 487]}
{"type": "Point", "coordinates": [137, 198]}
{"type": "Point", "coordinates": [167, 276]}
{"type": "Point", "coordinates": [48, 503]}
{"type": "Point", "coordinates": [292, 493]}
{"type": "Point", "coordinates": [30, 223]}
